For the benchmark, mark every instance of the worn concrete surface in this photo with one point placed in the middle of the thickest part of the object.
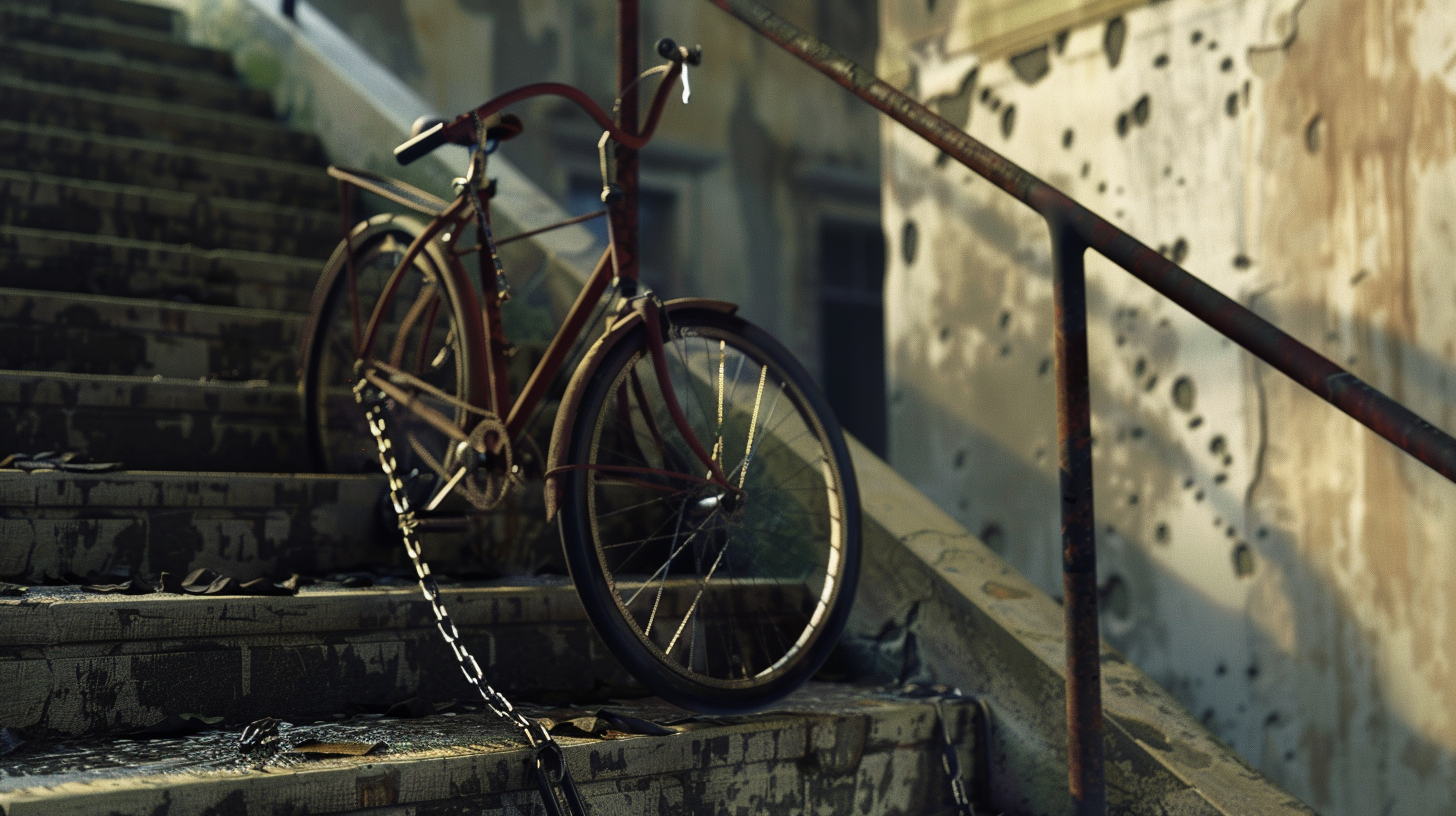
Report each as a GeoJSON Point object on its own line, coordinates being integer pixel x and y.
{"type": "Point", "coordinates": [114, 73]}
{"type": "Point", "coordinates": [245, 525]}
{"type": "Point", "coordinates": [46, 331]}
{"type": "Point", "coordinates": [119, 159]}
{"type": "Point", "coordinates": [1284, 572]}
{"type": "Point", "coordinates": [126, 267]}
{"type": "Point", "coordinates": [42, 201]}
{"type": "Point", "coordinates": [936, 604]}
{"type": "Point", "coordinates": [153, 423]}
{"type": "Point", "coordinates": [823, 751]}
{"type": "Point", "coordinates": [82, 664]}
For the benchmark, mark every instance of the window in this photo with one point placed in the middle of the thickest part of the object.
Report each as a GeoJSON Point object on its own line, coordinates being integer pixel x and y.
{"type": "Point", "coordinates": [852, 326]}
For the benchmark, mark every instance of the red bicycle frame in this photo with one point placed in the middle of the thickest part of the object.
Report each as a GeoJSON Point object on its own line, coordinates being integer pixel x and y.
{"type": "Point", "coordinates": [484, 329]}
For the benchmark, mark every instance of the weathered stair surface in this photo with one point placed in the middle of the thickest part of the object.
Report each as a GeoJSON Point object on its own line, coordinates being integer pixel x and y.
{"type": "Point", "coordinates": [825, 750]}
{"type": "Point", "coordinates": [162, 166]}
{"type": "Point", "coordinates": [145, 523]}
{"type": "Point", "coordinates": [153, 423]}
{"type": "Point", "coordinates": [142, 185]}
{"type": "Point", "coordinates": [127, 336]}
{"type": "Point", "coordinates": [324, 651]}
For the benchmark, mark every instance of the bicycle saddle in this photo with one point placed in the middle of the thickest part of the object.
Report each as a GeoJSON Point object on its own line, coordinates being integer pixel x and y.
{"type": "Point", "coordinates": [499, 126]}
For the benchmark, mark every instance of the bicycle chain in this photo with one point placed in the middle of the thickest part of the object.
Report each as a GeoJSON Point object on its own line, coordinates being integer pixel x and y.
{"type": "Point", "coordinates": [553, 777]}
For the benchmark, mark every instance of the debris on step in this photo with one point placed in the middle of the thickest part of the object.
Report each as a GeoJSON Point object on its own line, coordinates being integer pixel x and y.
{"type": "Point", "coordinates": [210, 582]}
{"type": "Point", "coordinates": [52, 460]}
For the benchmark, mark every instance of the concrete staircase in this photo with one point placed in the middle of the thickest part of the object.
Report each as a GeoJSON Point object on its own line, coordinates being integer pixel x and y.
{"type": "Point", "coordinates": [160, 235]}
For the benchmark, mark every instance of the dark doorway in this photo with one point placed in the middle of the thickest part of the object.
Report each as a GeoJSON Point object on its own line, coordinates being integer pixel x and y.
{"type": "Point", "coordinates": [852, 326]}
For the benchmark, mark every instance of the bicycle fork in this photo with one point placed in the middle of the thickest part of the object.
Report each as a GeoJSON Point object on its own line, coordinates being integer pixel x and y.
{"type": "Point", "coordinates": [656, 326]}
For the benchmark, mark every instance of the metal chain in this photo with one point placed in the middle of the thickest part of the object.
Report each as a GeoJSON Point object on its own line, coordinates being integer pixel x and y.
{"type": "Point", "coordinates": [950, 758]}
{"type": "Point", "coordinates": [553, 777]}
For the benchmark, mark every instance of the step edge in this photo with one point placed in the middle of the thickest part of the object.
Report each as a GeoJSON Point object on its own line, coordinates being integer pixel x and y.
{"type": "Point", "coordinates": [119, 302]}
{"type": "Point", "coordinates": [163, 194]}
{"type": "Point", "coordinates": [171, 110]}
{"type": "Point", "coordinates": [158, 246]}
{"type": "Point", "coordinates": [113, 60]}
{"type": "Point", "coordinates": [153, 146]}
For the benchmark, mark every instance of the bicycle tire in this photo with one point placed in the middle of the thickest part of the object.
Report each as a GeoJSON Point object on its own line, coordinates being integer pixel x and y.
{"type": "Point", "coordinates": [421, 333]}
{"type": "Point", "coordinates": [771, 578]}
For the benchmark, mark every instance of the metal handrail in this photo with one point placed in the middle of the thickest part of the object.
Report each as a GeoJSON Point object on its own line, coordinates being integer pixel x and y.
{"type": "Point", "coordinates": [1075, 229]}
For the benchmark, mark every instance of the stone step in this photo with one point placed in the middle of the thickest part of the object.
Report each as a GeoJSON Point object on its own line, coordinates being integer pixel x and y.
{"type": "Point", "coordinates": [304, 657]}
{"type": "Point", "coordinates": [123, 160]}
{"type": "Point", "coordinates": [71, 26]}
{"type": "Point", "coordinates": [115, 74]}
{"type": "Point", "coordinates": [92, 334]}
{"type": "Point", "coordinates": [824, 750]}
{"type": "Point", "coordinates": [121, 12]}
{"type": "Point", "coordinates": [54, 261]}
{"type": "Point", "coordinates": [154, 423]}
{"type": "Point", "coordinates": [43, 103]}
{"type": "Point", "coordinates": [248, 525]}
{"type": "Point", "coordinates": [129, 211]}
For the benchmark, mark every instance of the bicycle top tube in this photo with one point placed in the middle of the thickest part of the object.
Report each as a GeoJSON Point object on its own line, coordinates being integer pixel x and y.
{"type": "Point", "coordinates": [462, 130]}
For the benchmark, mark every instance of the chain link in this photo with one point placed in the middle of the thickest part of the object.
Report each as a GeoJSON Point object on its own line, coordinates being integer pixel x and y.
{"type": "Point", "coordinates": [950, 758]}
{"type": "Point", "coordinates": [553, 777]}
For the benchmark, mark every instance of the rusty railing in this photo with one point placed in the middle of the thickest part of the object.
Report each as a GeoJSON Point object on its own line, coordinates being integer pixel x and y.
{"type": "Point", "coordinates": [1075, 229]}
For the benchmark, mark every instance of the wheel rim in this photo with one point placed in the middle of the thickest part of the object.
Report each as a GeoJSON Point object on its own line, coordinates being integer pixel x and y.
{"type": "Point", "coordinates": [418, 335]}
{"type": "Point", "coordinates": [726, 588]}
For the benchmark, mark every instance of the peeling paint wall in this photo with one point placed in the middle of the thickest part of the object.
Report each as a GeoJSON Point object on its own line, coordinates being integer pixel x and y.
{"type": "Point", "coordinates": [1286, 573]}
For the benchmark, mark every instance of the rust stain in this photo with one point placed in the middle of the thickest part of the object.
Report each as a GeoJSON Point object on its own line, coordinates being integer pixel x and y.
{"type": "Point", "coordinates": [1353, 126]}
{"type": "Point", "coordinates": [1353, 132]}
{"type": "Point", "coordinates": [1003, 592]}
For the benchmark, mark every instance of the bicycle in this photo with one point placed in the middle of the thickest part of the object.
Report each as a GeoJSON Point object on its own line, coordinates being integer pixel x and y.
{"type": "Point", "coordinates": [702, 488]}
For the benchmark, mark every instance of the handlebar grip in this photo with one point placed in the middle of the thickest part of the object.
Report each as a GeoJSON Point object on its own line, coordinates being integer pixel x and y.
{"type": "Point", "coordinates": [420, 145]}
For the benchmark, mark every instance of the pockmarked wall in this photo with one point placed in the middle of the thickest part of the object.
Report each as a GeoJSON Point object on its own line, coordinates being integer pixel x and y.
{"type": "Point", "coordinates": [736, 183]}
{"type": "Point", "coordinates": [1289, 575]}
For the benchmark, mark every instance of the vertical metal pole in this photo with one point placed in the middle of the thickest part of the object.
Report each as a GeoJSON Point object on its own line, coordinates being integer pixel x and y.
{"type": "Point", "coordinates": [1079, 554]}
{"type": "Point", "coordinates": [628, 67]}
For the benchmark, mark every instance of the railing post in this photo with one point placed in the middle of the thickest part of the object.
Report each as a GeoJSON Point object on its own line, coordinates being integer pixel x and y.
{"type": "Point", "coordinates": [1079, 549]}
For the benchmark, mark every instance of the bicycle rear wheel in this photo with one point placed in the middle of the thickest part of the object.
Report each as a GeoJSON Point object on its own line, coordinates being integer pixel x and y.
{"type": "Point", "coordinates": [421, 333]}
{"type": "Point", "coordinates": [717, 600]}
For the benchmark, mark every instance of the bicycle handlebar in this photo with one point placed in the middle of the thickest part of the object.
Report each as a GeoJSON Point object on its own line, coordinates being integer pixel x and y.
{"type": "Point", "coordinates": [422, 144]}
{"type": "Point", "coordinates": [462, 130]}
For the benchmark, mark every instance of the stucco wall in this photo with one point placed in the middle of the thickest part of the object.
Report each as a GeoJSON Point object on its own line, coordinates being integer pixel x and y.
{"type": "Point", "coordinates": [1286, 573]}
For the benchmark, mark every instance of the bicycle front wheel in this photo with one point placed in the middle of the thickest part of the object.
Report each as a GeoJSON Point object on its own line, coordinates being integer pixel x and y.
{"type": "Point", "coordinates": [717, 599]}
